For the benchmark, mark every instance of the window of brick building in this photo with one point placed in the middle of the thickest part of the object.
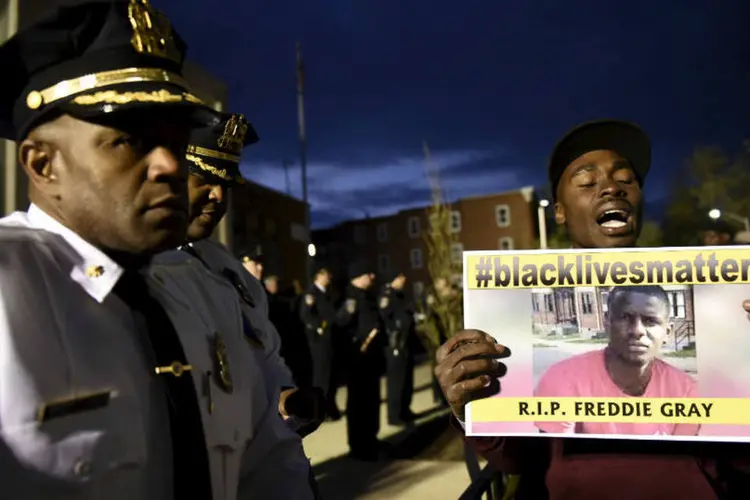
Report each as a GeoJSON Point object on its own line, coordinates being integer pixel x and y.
{"type": "Point", "coordinates": [384, 263]}
{"type": "Point", "coordinates": [382, 231]}
{"type": "Point", "coordinates": [413, 227]}
{"type": "Point", "coordinates": [502, 215]}
{"type": "Point", "coordinates": [416, 258]}
{"type": "Point", "coordinates": [677, 304]}
{"type": "Point", "coordinates": [455, 221]}
{"type": "Point", "coordinates": [549, 304]}
{"type": "Point", "coordinates": [587, 302]}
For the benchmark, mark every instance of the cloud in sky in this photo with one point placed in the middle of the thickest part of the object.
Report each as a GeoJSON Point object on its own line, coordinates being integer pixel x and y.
{"type": "Point", "coordinates": [339, 191]}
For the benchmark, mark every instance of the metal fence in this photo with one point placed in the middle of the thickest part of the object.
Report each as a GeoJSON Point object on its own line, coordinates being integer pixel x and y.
{"type": "Point", "coordinates": [486, 483]}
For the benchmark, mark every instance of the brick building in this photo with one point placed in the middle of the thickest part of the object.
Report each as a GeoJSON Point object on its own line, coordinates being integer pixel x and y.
{"type": "Point", "coordinates": [261, 215]}
{"type": "Point", "coordinates": [554, 311]}
{"type": "Point", "coordinates": [505, 221]}
{"type": "Point", "coordinates": [583, 310]}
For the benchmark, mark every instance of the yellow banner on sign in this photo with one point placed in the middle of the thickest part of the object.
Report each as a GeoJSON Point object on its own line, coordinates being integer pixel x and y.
{"type": "Point", "coordinates": [665, 267]}
{"type": "Point", "coordinates": [727, 411]}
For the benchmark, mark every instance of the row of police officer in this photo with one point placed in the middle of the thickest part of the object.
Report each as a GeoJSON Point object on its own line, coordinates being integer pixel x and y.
{"type": "Point", "coordinates": [370, 326]}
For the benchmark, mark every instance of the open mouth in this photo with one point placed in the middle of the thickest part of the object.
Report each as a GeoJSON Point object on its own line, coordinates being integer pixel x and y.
{"type": "Point", "coordinates": [613, 219]}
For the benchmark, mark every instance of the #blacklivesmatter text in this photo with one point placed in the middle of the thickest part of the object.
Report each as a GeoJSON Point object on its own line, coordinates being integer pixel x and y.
{"type": "Point", "coordinates": [583, 270]}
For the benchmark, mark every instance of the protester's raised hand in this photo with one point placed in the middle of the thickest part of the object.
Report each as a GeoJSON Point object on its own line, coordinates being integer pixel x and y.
{"type": "Point", "coordinates": [467, 368]}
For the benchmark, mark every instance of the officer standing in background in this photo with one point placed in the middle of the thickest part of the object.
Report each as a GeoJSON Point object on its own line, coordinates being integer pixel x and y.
{"type": "Point", "coordinates": [319, 317]}
{"type": "Point", "coordinates": [359, 320]}
{"type": "Point", "coordinates": [285, 317]}
{"type": "Point", "coordinates": [398, 320]}
{"type": "Point", "coordinates": [252, 260]}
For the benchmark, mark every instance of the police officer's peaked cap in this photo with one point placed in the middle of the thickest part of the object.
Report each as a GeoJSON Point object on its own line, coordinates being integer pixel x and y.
{"type": "Point", "coordinates": [360, 268]}
{"type": "Point", "coordinates": [624, 138]}
{"type": "Point", "coordinates": [90, 60]}
{"type": "Point", "coordinates": [253, 252]}
{"type": "Point", "coordinates": [216, 150]}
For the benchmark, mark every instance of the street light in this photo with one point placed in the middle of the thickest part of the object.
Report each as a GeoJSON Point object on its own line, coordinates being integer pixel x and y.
{"type": "Point", "coordinates": [715, 213]}
{"type": "Point", "coordinates": [543, 204]}
{"type": "Point", "coordinates": [311, 250]}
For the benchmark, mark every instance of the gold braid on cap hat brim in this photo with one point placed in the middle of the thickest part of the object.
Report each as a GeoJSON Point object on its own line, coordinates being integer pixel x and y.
{"type": "Point", "coordinates": [67, 88]}
{"type": "Point", "coordinates": [221, 173]}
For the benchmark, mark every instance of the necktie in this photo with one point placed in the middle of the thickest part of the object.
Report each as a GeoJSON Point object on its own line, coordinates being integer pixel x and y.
{"type": "Point", "coordinates": [191, 472]}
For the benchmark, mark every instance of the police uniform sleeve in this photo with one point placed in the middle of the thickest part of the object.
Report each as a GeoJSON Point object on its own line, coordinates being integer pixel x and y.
{"type": "Point", "coordinates": [282, 472]}
{"type": "Point", "coordinates": [26, 317]}
{"type": "Point", "coordinates": [368, 323]}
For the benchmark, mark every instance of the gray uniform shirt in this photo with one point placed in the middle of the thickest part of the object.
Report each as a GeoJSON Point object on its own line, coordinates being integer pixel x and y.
{"type": "Point", "coordinates": [81, 416]}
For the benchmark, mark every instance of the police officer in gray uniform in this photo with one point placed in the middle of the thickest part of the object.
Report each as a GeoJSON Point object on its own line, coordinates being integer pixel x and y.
{"type": "Point", "coordinates": [213, 158]}
{"type": "Point", "coordinates": [119, 382]}
{"type": "Point", "coordinates": [397, 314]}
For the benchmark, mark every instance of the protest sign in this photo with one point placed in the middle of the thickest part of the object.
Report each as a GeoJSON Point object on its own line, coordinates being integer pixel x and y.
{"type": "Point", "coordinates": [627, 343]}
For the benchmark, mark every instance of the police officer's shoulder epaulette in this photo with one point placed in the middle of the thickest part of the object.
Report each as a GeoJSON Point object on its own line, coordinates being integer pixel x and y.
{"type": "Point", "coordinates": [216, 256]}
{"type": "Point", "coordinates": [238, 285]}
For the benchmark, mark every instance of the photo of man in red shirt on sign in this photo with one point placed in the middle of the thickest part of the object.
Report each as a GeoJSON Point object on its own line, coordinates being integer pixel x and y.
{"type": "Point", "coordinates": [637, 324]}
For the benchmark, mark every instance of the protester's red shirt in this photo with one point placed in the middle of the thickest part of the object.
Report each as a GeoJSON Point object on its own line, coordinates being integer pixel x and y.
{"type": "Point", "coordinates": [579, 468]}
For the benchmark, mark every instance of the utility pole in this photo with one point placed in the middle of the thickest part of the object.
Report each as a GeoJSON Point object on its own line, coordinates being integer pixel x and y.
{"type": "Point", "coordinates": [303, 155]}
{"type": "Point", "coordinates": [286, 177]}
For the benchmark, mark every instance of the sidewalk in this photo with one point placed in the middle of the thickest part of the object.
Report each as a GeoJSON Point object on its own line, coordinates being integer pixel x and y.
{"type": "Point", "coordinates": [425, 476]}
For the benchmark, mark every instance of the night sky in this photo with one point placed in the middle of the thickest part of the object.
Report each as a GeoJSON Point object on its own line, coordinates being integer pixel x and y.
{"type": "Point", "coordinates": [489, 85]}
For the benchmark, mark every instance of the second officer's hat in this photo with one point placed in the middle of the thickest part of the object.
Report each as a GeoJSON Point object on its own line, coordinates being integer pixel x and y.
{"type": "Point", "coordinates": [252, 252]}
{"type": "Point", "coordinates": [90, 60]}
{"type": "Point", "coordinates": [216, 150]}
